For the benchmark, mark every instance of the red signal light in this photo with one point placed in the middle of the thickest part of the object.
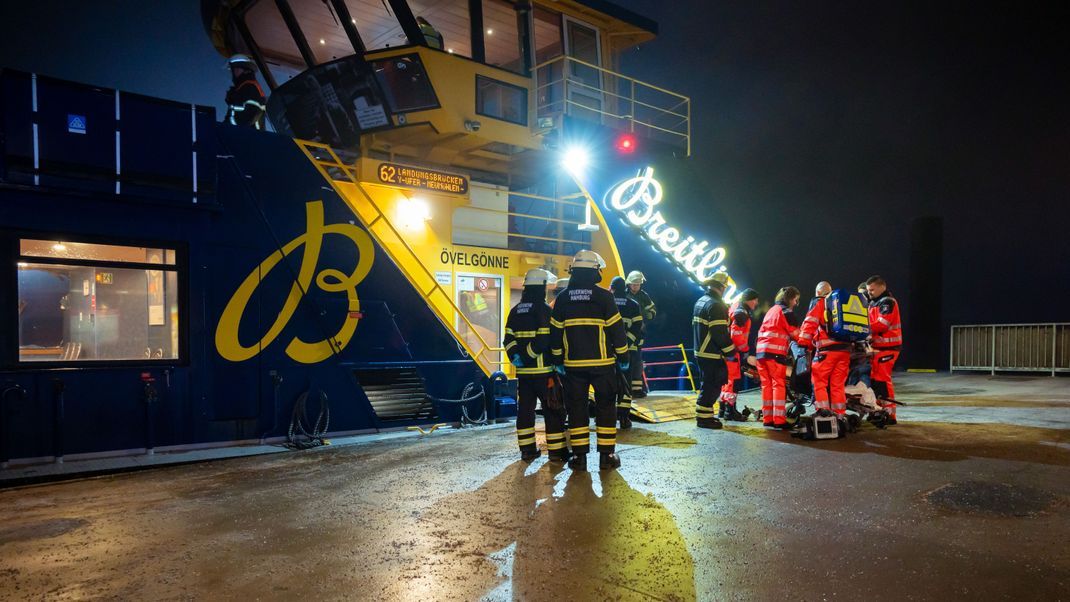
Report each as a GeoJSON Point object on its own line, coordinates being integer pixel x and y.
{"type": "Point", "coordinates": [626, 143]}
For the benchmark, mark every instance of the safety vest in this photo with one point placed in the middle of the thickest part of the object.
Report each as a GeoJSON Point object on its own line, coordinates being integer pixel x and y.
{"type": "Point", "coordinates": [775, 333]}
{"type": "Point", "coordinates": [814, 330]}
{"type": "Point", "coordinates": [886, 329]}
{"type": "Point", "coordinates": [475, 303]}
{"type": "Point", "coordinates": [739, 326]}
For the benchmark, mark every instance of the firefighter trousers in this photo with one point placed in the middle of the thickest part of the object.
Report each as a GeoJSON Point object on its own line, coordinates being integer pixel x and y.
{"type": "Point", "coordinates": [714, 376]}
{"type": "Point", "coordinates": [772, 375]}
{"type": "Point", "coordinates": [880, 373]}
{"type": "Point", "coordinates": [635, 372]}
{"type": "Point", "coordinates": [828, 373]}
{"type": "Point", "coordinates": [530, 389]}
{"type": "Point", "coordinates": [577, 385]}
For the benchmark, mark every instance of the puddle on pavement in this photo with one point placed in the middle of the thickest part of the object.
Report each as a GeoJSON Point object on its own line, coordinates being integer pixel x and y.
{"type": "Point", "coordinates": [650, 438]}
{"type": "Point", "coordinates": [999, 499]}
{"type": "Point", "coordinates": [946, 442]}
{"type": "Point", "coordinates": [41, 529]}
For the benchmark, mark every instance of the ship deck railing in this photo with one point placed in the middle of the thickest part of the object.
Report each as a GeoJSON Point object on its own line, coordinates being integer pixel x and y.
{"type": "Point", "coordinates": [569, 86]}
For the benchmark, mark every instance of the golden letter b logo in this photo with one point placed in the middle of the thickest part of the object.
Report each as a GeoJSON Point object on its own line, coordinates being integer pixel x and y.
{"type": "Point", "coordinates": [329, 280]}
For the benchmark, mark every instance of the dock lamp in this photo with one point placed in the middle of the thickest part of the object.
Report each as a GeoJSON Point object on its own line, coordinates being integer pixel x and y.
{"type": "Point", "coordinates": [575, 160]}
{"type": "Point", "coordinates": [413, 212]}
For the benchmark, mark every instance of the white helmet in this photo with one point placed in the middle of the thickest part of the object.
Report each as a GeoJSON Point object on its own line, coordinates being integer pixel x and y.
{"type": "Point", "coordinates": [538, 277]}
{"type": "Point", "coordinates": [588, 259]}
{"type": "Point", "coordinates": [636, 277]}
{"type": "Point", "coordinates": [562, 283]}
{"type": "Point", "coordinates": [241, 60]}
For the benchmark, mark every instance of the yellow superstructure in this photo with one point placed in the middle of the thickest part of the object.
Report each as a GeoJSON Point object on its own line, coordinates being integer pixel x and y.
{"type": "Point", "coordinates": [461, 181]}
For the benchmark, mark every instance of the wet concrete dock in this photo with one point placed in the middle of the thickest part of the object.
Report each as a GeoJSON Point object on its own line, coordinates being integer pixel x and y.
{"type": "Point", "coordinates": [965, 498]}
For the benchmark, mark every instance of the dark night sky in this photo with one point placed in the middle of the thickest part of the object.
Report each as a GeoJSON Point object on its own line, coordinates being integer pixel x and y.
{"type": "Point", "coordinates": [811, 120]}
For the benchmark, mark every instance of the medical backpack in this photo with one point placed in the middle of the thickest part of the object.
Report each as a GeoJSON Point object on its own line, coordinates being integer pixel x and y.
{"type": "Point", "coordinates": [848, 316]}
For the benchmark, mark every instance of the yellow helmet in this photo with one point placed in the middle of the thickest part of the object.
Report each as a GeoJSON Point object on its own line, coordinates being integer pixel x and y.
{"type": "Point", "coordinates": [719, 279]}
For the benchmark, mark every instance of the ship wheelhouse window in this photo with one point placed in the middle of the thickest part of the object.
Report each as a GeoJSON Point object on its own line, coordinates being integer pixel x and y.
{"type": "Point", "coordinates": [97, 302]}
{"type": "Point", "coordinates": [500, 100]}
{"type": "Point", "coordinates": [405, 83]}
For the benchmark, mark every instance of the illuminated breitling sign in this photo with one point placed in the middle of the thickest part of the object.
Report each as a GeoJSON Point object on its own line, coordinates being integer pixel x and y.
{"type": "Point", "coordinates": [637, 199]}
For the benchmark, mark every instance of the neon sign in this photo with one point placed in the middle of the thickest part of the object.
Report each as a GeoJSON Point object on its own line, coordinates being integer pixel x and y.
{"type": "Point", "coordinates": [637, 199]}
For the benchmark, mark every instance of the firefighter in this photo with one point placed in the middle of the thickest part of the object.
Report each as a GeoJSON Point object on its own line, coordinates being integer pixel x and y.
{"type": "Point", "coordinates": [886, 332]}
{"type": "Point", "coordinates": [527, 340]}
{"type": "Point", "coordinates": [245, 98]}
{"type": "Point", "coordinates": [712, 343]}
{"type": "Point", "coordinates": [632, 316]}
{"type": "Point", "coordinates": [635, 281]}
{"type": "Point", "coordinates": [588, 344]}
{"type": "Point", "coordinates": [832, 358]}
{"type": "Point", "coordinates": [739, 325]}
{"type": "Point", "coordinates": [779, 327]}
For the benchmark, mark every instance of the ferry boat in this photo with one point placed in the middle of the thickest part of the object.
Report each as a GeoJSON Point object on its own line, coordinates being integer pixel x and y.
{"type": "Point", "coordinates": [184, 283]}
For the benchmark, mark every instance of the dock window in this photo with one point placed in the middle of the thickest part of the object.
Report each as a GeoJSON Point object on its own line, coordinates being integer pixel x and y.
{"type": "Point", "coordinates": [83, 301]}
{"type": "Point", "coordinates": [501, 100]}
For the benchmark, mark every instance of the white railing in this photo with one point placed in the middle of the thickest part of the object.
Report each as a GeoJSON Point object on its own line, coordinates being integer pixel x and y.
{"type": "Point", "coordinates": [1011, 347]}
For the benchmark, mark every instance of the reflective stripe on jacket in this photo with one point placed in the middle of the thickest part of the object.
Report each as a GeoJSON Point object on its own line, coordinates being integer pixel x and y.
{"type": "Point", "coordinates": [710, 325]}
{"type": "Point", "coordinates": [739, 326]}
{"type": "Point", "coordinates": [586, 330]}
{"type": "Point", "coordinates": [527, 333]}
{"type": "Point", "coordinates": [776, 332]}
{"type": "Point", "coordinates": [632, 317]}
{"type": "Point", "coordinates": [814, 331]}
{"type": "Point", "coordinates": [885, 327]}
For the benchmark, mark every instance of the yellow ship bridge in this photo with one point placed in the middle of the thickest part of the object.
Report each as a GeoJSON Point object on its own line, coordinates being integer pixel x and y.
{"type": "Point", "coordinates": [445, 126]}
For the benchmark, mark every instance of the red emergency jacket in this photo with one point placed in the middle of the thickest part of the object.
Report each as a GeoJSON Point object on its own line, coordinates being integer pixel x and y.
{"type": "Point", "coordinates": [739, 326]}
{"type": "Point", "coordinates": [885, 328]}
{"type": "Point", "coordinates": [815, 330]}
{"type": "Point", "coordinates": [777, 330]}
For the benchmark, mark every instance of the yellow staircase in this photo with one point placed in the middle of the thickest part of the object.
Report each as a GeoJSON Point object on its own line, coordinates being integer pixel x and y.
{"type": "Point", "coordinates": [345, 181]}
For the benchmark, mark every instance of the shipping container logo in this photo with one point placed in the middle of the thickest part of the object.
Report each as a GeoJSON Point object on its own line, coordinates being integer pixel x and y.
{"type": "Point", "coordinates": [328, 280]}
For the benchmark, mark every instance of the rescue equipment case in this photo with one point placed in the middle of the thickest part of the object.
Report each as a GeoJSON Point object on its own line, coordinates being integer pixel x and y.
{"type": "Point", "coordinates": [848, 316]}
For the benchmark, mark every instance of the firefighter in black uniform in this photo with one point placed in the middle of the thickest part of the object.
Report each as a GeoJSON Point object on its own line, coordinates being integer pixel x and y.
{"type": "Point", "coordinates": [632, 316]}
{"type": "Point", "coordinates": [712, 343]}
{"type": "Point", "coordinates": [635, 281]}
{"type": "Point", "coordinates": [588, 345]}
{"type": "Point", "coordinates": [527, 339]}
{"type": "Point", "coordinates": [245, 99]}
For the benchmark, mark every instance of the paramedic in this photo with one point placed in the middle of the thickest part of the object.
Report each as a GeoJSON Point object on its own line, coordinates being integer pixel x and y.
{"type": "Point", "coordinates": [778, 328]}
{"type": "Point", "coordinates": [739, 327]}
{"type": "Point", "coordinates": [886, 331]}
{"type": "Point", "coordinates": [832, 358]}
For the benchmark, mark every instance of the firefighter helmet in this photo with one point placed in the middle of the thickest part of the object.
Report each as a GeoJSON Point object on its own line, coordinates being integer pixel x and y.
{"type": "Point", "coordinates": [241, 60]}
{"type": "Point", "coordinates": [538, 277]}
{"type": "Point", "coordinates": [588, 259]}
{"type": "Point", "coordinates": [720, 280]}
{"type": "Point", "coordinates": [636, 277]}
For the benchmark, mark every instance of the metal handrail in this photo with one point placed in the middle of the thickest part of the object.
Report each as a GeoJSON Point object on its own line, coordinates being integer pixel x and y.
{"type": "Point", "coordinates": [351, 175]}
{"type": "Point", "coordinates": [684, 361]}
{"type": "Point", "coordinates": [1037, 347]}
{"type": "Point", "coordinates": [679, 108]}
